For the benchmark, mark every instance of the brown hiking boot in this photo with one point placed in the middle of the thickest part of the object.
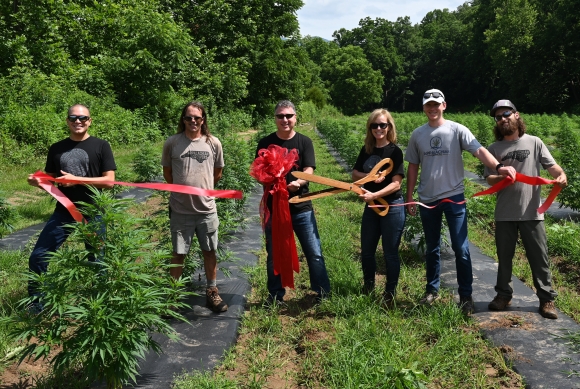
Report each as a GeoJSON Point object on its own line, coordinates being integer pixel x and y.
{"type": "Point", "coordinates": [548, 310]}
{"type": "Point", "coordinates": [213, 300]}
{"type": "Point", "coordinates": [499, 303]}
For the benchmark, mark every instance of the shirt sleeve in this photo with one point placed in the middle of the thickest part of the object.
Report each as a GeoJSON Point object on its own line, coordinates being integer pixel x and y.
{"type": "Point", "coordinates": [546, 158]}
{"type": "Point", "coordinates": [166, 154]}
{"type": "Point", "coordinates": [108, 158]}
{"type": "Point", "coordinates": [360, 160]}
{"type": "Point", "coordinates": [308, 158]}
{"type": "Point", "coordinates": [411, 153]}
{"type": "Point", "coordinates": [467, 140]}
{"type": "Point", "coordinates": [398, 165]}
{"type": "Point", "coordinates": [219, 155]}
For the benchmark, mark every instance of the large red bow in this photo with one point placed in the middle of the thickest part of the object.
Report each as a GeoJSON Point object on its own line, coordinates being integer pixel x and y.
{"type": "Point", "coordinates": [270, 169]}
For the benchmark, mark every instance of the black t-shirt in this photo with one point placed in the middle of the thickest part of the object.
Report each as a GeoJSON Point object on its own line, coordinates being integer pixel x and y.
{"type": "Point", "coordinates": [365, 163]}
{"type": "Point", "coordinates": [306, 158]}
{"type": "Point", "coordinates": [88, 158]}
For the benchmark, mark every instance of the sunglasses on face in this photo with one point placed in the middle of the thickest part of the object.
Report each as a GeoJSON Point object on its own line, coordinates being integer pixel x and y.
{"type": "Point", "coordinates": [382, 126]}
{"type": "Point", "coordinates": [73, 118]}
{"type": "Point", "coordinates": [434, 94]}
{"type": "Point", "coordinates": [504, 114]}
{"type": "Point", "coordinates": [288, 116]}
{"type": "Point", "coordinates": [192, 118]}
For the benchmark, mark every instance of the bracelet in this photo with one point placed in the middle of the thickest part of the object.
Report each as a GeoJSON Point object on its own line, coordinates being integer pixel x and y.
{"type": "Point", "coordinates": [499, 166]}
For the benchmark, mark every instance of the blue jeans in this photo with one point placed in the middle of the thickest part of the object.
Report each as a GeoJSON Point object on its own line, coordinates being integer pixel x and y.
{"type": "Point", "coordinates": [457, 221]}
{"type": "Point", "coordinates": [390, 228]}
{"type": "Point", "coordinates": [53, 235]}
{"type": "Point", "coordinates": [304, 225]}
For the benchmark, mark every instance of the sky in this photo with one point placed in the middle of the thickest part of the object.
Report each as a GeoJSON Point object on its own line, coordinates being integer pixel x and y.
{"type": "Point", "coordinates": [323, 17]}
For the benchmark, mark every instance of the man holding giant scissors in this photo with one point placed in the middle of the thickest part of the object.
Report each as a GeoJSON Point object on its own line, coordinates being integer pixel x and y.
{"type": "Point", "coordinates": [302, 214]}
{"type": "Point", "coordinates": [437, 146]}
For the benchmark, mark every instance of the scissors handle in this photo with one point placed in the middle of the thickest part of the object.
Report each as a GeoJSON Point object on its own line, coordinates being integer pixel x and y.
{"type": "Point", "coordinates": [382, 211]}
{"type": "Point", "coordinates": [374, 173]}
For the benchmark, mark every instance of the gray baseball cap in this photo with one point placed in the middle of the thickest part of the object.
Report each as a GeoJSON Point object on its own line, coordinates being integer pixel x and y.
{"type": "Point", "coordinates": [500, 104]}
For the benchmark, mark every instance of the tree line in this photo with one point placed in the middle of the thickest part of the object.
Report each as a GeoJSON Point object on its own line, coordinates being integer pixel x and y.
{"type": "Point", "coordinates": [151, 55]}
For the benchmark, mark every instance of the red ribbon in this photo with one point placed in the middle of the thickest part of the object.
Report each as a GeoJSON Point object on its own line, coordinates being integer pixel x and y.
{"type": "Point", "coordinates": [507, 181]}
{"type": "Point", "coordinates": [45, 180]}
{"type": "Point", "coordinates": [270, 169]}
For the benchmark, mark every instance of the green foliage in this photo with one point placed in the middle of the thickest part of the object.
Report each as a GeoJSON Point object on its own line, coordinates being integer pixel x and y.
{"type": "Point", "coordinates": [101, 313]}
{"type": "Point", "coordinates": [568, 142]}
{"type": "Point", "coordinates": [7, 216]}
{"type": "Point", "coordinates": [33, 116]}
{"type": "Point", "coordinates": [563, 239]}
{"type": "Point", "coordinates": [352, 82]}
{"type": "Point", "coordinates": [147, 164]}
{"type": "Point", "coordinates": [316, 96]}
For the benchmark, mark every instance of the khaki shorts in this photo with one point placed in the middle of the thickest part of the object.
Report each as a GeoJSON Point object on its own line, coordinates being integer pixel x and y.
{"type": "Point", "coordinates": [204, 226]}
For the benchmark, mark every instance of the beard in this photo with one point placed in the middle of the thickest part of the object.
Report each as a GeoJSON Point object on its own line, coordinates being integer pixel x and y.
{"type": "Point", "coordinates": [508, 128]}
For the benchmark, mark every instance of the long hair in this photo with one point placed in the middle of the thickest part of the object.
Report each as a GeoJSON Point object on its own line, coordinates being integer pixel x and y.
{"type": "Point", "coordinates": [204, 127]}
{"type": "Point", "coordinates": [521, 126]}
{"type": "Point", "coordinates": [370, 141]}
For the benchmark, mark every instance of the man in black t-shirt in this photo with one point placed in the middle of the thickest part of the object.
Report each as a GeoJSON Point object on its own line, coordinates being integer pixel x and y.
{"type": "Point", "coordinates": [303, 220]}
{"type": "Point", "coordinates": [78, 157]}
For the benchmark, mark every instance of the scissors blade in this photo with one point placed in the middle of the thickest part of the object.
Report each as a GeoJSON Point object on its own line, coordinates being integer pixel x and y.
{"type": "Point", "coordinates": [315, 195]}
{"type": "Point", "coordinates": [328, 181]}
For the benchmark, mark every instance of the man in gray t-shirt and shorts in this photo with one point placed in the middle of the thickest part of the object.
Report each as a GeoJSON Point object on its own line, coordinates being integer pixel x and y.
{"type": "Point", "coordinates": [194, 157]}
{"type": "Point", "coordinates": [436, 146]}
{"type": "Point", "coordinates": [517, 204]}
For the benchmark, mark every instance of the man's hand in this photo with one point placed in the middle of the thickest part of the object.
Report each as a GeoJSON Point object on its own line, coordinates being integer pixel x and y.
{"type": "Point", "coordinates": [562, 180]}
{"type": "Point", "coordinates": [293, 186]}
{"type": "Point", "coordinates": [508, 171]}
{"type": "Point", "coordinates": [68, 176]}
{"type": "Point", "coordinates": [33, 181]}
{"type": "Point", "coordinates": [411, 208]}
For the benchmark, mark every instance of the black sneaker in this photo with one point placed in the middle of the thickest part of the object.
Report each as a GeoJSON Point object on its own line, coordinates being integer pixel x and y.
{"type": "Point", "coordinates": [388, 300]}
{"type": "Point", "coordinates": [466, 305]}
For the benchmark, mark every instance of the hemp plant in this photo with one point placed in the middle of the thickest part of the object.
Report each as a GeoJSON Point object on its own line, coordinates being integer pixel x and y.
{"type": "Point", "coordinates": [103, 313]}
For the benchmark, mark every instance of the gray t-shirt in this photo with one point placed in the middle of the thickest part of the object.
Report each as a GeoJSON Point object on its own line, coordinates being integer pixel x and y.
{"type": "Point", "coordinates": [527, 155]}
{"type": "Point", "coordinates": [192, 163]}
{"type": "Point", "coordinates": [438, 151]}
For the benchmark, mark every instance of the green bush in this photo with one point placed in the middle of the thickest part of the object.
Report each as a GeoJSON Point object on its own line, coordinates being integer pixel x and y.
{"type": "Point", "coordinates": [146, 163]}
{"type": "Point", "coordinates": [568, 142]}
{"type": "Point", "coordinates": [7, 216]}
{"type": "Point", "coordinates": [102, 314]}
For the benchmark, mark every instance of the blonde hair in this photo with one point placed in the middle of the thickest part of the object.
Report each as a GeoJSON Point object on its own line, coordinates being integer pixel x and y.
{"type": "Point", "coordinates": [370, 141]}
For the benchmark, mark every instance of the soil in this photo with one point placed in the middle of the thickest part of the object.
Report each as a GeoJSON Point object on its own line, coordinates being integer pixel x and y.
{"type": "Point", "coordinates": [517, 321]}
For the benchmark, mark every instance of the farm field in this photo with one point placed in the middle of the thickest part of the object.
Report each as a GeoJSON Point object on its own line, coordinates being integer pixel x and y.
{"type": "Point", "coordinates": [350, 338]}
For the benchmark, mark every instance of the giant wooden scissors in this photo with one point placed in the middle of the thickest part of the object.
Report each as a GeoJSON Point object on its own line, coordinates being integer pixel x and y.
{"type": "Point", "coordinates": [340, 186]}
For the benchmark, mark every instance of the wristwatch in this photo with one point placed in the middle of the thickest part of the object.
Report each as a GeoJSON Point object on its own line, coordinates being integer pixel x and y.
{"type": "Point", "coordinates": [499, 165]}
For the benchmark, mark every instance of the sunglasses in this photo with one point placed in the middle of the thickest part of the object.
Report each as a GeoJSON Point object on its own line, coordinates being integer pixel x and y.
{"type": "Point", "coordinates": [288, 116]}
{"type": "Point", "coordinates": [434, 94]}
{"type": "Point", "coordinates": [382, 126]}
{"type": "Point", "coordinates": [192, 118]}
{"type": "Point", "coordinates": [505, 114]}
{"type": "Point", "coordinates": [73, 118]}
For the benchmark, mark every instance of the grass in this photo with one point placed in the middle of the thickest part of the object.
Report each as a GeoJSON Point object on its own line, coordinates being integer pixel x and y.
{"type": "Point", "coordinates": [350, 341]}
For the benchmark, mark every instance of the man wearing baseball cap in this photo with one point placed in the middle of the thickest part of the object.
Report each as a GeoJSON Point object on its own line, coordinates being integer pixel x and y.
{"type": "Point", "coordinates": [437, 146]}
{"type": "Point", "coordinates": [517, 204]}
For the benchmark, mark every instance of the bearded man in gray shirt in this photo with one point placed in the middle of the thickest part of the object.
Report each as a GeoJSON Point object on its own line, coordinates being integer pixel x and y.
{"type": "Point", "coordinates": [517, 204]}
{"type": "Point", "coordinates": [437, 147]}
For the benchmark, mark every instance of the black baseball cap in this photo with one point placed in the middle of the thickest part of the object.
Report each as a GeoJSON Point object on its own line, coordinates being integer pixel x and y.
{"type": "Point", "coordinates": [500, 104]}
